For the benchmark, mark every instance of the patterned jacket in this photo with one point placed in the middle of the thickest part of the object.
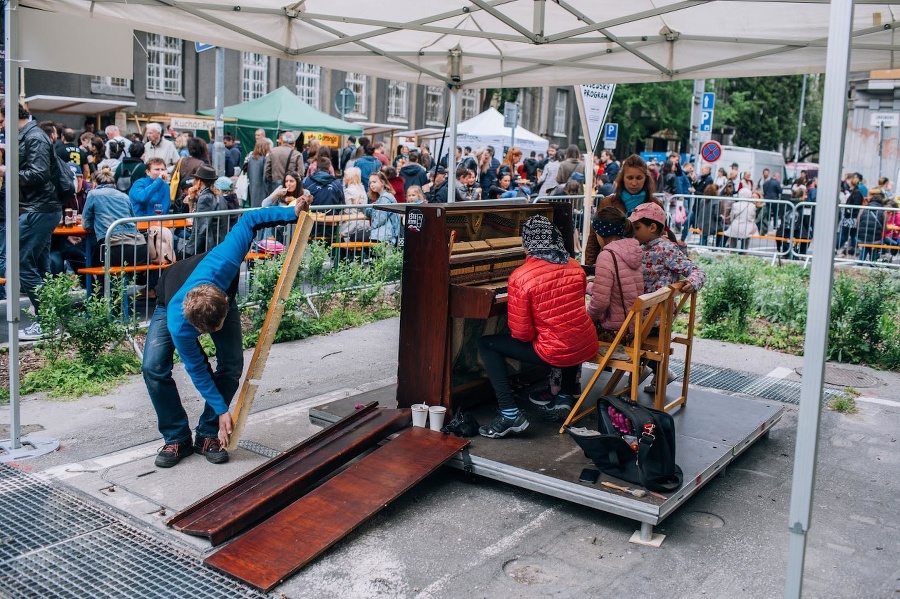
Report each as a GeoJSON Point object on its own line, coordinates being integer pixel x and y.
{"type": "Point", "coordinates": [665, 264]}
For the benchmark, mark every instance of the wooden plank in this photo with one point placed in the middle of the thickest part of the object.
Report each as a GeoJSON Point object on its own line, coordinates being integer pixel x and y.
{"type": "Point", "coordinates": [282, 480]}
{"type": "Point", "coordinates": [293, 537]}
{"type": "Point", "coordinates": [270, 326]}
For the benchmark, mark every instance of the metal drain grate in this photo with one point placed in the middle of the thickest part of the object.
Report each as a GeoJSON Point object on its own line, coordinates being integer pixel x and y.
{"type": "Point", "coordinates": [63, 547]}
{"type": "Point", "coordinates": [734, 381]}
{"type": "Point", "coordinates": [259, 448]}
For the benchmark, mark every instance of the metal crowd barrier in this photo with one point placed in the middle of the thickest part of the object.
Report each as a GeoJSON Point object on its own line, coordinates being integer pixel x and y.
{"type": "Point", "coordinates": [144, 274]}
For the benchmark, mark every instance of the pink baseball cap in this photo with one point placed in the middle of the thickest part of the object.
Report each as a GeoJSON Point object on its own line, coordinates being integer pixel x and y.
{"type": "Point", "coordinates": [650, 210]}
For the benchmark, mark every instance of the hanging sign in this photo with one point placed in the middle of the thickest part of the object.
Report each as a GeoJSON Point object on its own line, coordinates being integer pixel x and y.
{"type": "Point", "coordinates": [593, 104]}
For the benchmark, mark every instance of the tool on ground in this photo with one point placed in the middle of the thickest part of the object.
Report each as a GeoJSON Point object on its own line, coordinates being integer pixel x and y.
{"type": "Point", "coordinates": [635, 492]}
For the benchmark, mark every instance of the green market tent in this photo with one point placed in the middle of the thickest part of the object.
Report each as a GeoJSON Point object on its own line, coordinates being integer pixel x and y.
{"type": "Point", "coordinates": [277, 111]}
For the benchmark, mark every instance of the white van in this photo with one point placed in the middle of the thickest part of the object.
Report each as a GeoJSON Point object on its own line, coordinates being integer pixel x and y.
{"type": "Point", "coordinates": [750, 159]}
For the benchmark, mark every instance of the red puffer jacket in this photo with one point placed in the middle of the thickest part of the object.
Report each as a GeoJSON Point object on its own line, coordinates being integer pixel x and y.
{"type": "Point", "coordinates": [546, 306]}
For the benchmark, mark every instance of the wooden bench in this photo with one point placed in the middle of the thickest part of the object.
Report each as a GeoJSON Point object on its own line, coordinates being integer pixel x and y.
{"type": "Point", "coordinates": [100, 271]}
{"type": "Point", "coordinates": [354, 245]}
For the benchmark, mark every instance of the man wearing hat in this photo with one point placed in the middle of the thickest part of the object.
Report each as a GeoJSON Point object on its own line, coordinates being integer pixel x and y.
{"type": "Point", "coordinates": [207, 231]}
{"type": "Point", "coordinates": [436, 190]}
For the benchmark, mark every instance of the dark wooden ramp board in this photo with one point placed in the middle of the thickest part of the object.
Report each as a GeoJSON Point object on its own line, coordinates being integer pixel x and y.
{"type": "Point", "coordinates": [283, 479]}
{"type": "Point", "coordinates": [272, 551]}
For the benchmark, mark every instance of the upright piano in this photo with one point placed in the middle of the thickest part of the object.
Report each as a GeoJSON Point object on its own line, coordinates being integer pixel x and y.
{"type": "Point", "coordinates": [457, 259]}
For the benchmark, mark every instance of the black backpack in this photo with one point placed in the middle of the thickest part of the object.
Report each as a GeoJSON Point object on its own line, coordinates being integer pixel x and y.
{"type": "Point", "coordinates": [632, 443]}
{"type": "Point", "coordinates": [63, 179]}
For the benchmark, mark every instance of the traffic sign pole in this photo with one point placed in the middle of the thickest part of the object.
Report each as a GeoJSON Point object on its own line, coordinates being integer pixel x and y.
{"type": "Point", "coordinates": [697, 105]}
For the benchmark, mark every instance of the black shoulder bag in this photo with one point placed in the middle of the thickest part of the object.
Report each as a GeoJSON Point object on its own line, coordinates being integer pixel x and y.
{"type": "Point", "coordinates": [632, 443]}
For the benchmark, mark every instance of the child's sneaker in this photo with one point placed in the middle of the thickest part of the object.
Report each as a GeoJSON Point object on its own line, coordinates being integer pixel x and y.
{"type": "Point", "coordinates": [502, 426]}
{"type": "Point", "coordinates": [558, 409]}
{"type": "Point", "coordinates": [541, 397]}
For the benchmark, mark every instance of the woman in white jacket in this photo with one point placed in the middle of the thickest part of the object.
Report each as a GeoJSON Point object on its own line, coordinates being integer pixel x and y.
{"type": "Point", "coordinates": [742, 220]}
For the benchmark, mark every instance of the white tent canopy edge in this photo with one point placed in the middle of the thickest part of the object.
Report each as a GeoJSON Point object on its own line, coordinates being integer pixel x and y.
{"type": "Point", "coordinates": [638, 41]}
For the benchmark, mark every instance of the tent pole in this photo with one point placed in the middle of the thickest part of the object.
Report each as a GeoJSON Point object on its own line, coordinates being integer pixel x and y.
{"type": "Point", "coordinates": [12, 215]}
{"type": "Point", "coordinates": [834, 119]}
{"type": "Point", "coordinates": [451, 151]}
{"type": "Point", "coordinates": [219, 145]}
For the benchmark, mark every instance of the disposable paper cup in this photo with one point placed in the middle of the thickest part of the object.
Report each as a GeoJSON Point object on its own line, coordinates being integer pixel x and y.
{"type": "Point", "coordinates": [419, 414]}
{"type": "Point", "coordinates": [436, 417]}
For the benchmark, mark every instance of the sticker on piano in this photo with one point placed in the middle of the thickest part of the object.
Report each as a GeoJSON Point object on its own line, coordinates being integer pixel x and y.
{"type": "Point", "coordinates": [414, 220]}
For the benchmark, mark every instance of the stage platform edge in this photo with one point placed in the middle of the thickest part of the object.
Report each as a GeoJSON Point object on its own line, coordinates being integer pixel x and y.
{"type": "Point", "coordinates": [711, 432]}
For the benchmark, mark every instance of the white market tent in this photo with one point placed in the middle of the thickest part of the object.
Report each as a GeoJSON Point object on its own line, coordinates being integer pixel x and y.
{"type": "Point", "coordinates": [486, 129]}
{"type": "Point", "coordinates": [525, 43]}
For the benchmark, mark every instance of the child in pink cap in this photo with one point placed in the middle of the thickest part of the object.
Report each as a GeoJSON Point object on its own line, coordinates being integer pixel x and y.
{"type": "Point", "coordinates": [664, 263]}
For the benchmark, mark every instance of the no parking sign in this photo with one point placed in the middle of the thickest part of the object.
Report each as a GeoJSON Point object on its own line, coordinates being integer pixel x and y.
{"type": "Point", "coordinates": [711, 151]}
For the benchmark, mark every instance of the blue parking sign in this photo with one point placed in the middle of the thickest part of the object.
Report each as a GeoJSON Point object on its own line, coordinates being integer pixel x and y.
{"type": "Point", "coordinates": [611, 131]}
{"type": "Point", "coordinates": [706, 119]}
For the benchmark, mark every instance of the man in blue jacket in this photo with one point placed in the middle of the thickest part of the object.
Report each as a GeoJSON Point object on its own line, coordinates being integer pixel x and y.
{"type": "Point", "coordinates": [152, 190]}
{"type": "Point", "coordinates": [196, 296]}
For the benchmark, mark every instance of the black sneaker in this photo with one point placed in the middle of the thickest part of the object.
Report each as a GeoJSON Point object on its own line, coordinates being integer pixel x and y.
{"type": "Point", "coordinates": [558, 409]}
{"type": "Point", "coordinates": [541, 397]}
{"type": "Point", "coordinates": [212, 449]}
{"type": "Point", "coordinates": [171, 453]}
{"type": "Point", "coordinates": [502, 426]}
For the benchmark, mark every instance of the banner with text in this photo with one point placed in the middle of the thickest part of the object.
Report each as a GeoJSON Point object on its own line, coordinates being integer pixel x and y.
{"type": "Point", "coordinates": [593, 105]}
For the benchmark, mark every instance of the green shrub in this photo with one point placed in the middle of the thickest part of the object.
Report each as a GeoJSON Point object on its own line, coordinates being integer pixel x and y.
{"type": "Point", "coordinates": [727, 300]}
{"type": "Point", "coordinates": [864, 312]}
{"type": "Point", "coordinates": [98, 325]}
{"type": "Point", "coordinates": [57, 311]}
{"type": "Point", "coordinates": [71, 378]}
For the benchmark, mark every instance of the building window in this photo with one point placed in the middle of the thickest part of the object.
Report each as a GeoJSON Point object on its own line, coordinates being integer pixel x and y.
{"type": "Point", "coordinates": [398, 101]}
{"type": "Point", "coordinates": [308, 77]}
{"type": "Point", "coordinates": [469, 103]}
{"type": "Point", "coordinates": [116, 86]}
{"type": "Point", "coordinates": [560, 111]}
{"type": "Point", "coordinates": [164, 65]}
{"type": "Point", "coordinates": [358, 84]}
{"type": "Point", "coordinates": [256, 76]}
{"type": "Point", "coordinates": [434, 105]}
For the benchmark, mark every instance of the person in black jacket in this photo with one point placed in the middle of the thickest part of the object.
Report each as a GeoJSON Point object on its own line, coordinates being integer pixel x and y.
{"type": "Point", "coordinates": [325, 188]}
{"type": "Point", "coordinates": [39, 210]}
{"type": "Point", "coordinates": [437, 190]}
{"type": "Point", "coordinates": [413, 173]}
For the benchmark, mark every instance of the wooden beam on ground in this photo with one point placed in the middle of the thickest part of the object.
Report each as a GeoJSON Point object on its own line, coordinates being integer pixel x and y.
{"type": "Point", "coordinates": [284, 543]}
{"type": "Point", "coordinates": [270, 325]}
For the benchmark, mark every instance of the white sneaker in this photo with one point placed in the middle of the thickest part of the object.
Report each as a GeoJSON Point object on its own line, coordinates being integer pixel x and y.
{"type": "Point", "coordinates": [32, 332]}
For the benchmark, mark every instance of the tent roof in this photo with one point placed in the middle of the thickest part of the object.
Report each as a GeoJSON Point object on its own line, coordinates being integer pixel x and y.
{"type": "Point", "coordinates": [281, 109]}
{"type": "Point", "coordinates": [66, 105]}
{"type": "Point", "coordinates": [520, 43]}
{"type": "Point", "coordinates": [490, 123]}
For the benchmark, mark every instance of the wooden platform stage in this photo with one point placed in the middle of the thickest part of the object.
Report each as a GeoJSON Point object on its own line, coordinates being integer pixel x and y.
{"type": "Point", "coordinates": [712, 430]}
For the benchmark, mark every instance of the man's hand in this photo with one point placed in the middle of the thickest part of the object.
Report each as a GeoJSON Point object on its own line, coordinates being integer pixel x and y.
{"type": "Point", "coordinates": [301, 205]}
{"type": "Point", "coordinates": [226, 427]}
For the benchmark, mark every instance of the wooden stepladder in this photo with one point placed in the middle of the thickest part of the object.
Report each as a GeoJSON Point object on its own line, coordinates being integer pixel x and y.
{"type": "Point", "coordinates": [270, 326]}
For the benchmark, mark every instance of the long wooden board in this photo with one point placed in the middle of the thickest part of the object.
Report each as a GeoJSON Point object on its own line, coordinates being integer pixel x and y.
{"type": "Point", "coordinates": [290, 539]}
{"type": "Point", "coordinates": [283, 479]}
{"type": "Point", "coordinates": [270, 325]}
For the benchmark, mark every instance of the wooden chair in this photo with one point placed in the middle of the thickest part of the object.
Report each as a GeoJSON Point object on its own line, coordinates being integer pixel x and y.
{"type": "Point", "coordinates": [626, 353]}
{"type": "Point", "coordinates": [662, 343]}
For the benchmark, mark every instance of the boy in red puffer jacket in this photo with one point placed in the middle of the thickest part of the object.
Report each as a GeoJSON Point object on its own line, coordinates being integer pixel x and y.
{"type": "Point", "coordinates": [548, 324]}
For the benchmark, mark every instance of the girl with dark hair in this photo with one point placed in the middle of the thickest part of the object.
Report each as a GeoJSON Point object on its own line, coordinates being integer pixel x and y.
{"type": "Point", "coordinates": [634, 186]}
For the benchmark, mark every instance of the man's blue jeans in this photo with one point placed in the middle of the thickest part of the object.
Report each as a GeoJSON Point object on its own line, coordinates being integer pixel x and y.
{"type": "Point", "coordinates": [35, 233]}
{"type": "Point", "coordinates": [159, 350]}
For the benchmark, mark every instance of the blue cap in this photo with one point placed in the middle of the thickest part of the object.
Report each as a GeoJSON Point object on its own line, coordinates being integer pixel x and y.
{"type": "Point", "coordinates": [224, 183]}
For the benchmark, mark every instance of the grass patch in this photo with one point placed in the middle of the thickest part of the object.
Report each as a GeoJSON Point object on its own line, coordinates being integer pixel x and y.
{"type": "Point", "coordinates": [846, 404]}
{"type": "Point", "coordinates": [69, 378]}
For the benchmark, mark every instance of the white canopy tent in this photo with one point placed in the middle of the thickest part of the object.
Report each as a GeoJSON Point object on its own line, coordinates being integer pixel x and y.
{"type": "Point", "coordinates": [486, 129]}
{"type": "Point", "coordinates": [524, 43]}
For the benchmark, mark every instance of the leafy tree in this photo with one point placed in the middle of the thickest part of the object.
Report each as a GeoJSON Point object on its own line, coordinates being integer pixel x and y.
{"type": "Point", "coordinates": [763, 111]}
{"type": "Point", "coordinates": [642, 109]}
